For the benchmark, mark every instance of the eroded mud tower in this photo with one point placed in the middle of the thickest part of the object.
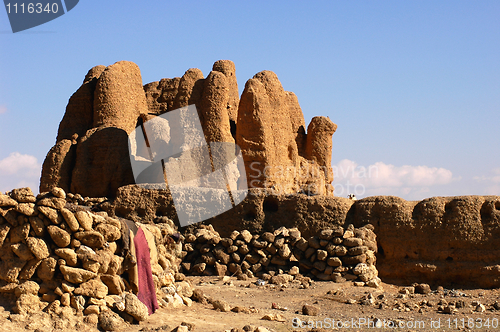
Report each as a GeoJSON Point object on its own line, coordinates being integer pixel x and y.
{"type": "Point", "coordinates": [91, 154]}
{"type": "Point", "coordinates": [437, 240]}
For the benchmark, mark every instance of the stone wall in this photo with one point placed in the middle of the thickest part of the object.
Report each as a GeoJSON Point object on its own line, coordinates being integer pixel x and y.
{"type": "Point", "coordinates": [334, 254]}
{"type": "Point", "coordinates": [440, 240]}
{"type": "Point", "coordinates": [59, 256]}
{"type": "Point", "coordinates": [91, 154]}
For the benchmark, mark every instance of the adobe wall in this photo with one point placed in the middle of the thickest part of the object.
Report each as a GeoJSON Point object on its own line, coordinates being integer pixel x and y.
{"type": "Point", "coordinates": [440, 240]}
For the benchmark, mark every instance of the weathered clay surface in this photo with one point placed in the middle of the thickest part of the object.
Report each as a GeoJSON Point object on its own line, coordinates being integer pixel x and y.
{"type": "Point", "coordinates": [438, 240]}
{"type": "Point", "coordinates": [91, 154]}
{"type": "Point", "coordinates": [258, 212]}
{"type": "Point", "coordinates": [270, 132]}
{"type": "Point", "coordinates": [58, 165]}
{"type": "Point", "coordinates": [79, 115]}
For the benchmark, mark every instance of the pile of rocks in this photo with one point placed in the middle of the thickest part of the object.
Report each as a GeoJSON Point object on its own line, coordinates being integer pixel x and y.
{"type": "Point", "coordinates": [335, 254]}
{"type": "Point", "coordinates": [56, 255]}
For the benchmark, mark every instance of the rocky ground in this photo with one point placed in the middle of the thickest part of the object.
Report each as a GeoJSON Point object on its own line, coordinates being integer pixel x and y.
{"type": "Point", "coordinates": [244, 305]}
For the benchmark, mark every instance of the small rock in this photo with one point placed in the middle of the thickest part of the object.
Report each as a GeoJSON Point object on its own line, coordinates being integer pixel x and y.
{"type": "Point", "coordinates": [261, 329]}
{"type": "Point", "coordinates": [246, 236]}
{"type": "Point", "coordinates": [84, 219]}
{"type": "Point", "coordinates": [22, 251]}
{"type": "Point", "coordinates": [92, 239]}
{"type": "Point", "coordinates": [47, 269]}
{"type": "Point", "coordinates": [449, 309]}
{"type": "Point", "coordinates": [321, 255]}
{"type": "Point", "coordinates": [91, 319]}
{"type": "Point", "coordinates": [480, 308]}
{"type": "Point", "coordinates": [27, 287]}
{"type": "Point", "coordinates": [221, 305]}
{"type": "Point", "coordinates": [70, 219]}
{"type": "Point", "coordinates": [198, 296]}
{"type": "Point", "coordinates": [179, 276]}
{"type": "Point", "coordinates": [66, 299]}
{"type": "Point", "coordinates": [37, 225]}
{"type": "Point", "coordinates": [326, 234]}
{"type": "Point", "coordinates": [27, 304]}
{"type": "Point", "coordinates": [190, 326]}
{"type": "Point", "coordinates": [92, 288]}
{"type": "Point", "coordinates": [51, 214]}
{"type": "Point", "coordinates": [52, 202]}
{"type": "Point", "coordinates": [422, 289]}
{"type": "Point", "coordinates": [60, 237]}
{"type": "Point", "coordinates": [239, 309]}
{"type": "Point", "coordinates": [77, 302]}
{"type": "Point", "coordinates": [184, 288]}
{"type": "Point", "coordinates": [267, 236]}
{"type": "Point", "coordinates": [6, 200]}
{"type": "Point", "coordinates": [407, 290]}
{"type": "Point", "coordinates": [69, 255]}
{"type": "Point", "coordinates": [278, 280]}
{"type": "Point", "coordinates": [135, 308]}
{"type": "Point", "coordinates": [114, 283]}
{"type": "Point", "coordinates": [19, 233]}
{"type": "Point", "coordinates": [92, 309]}
{"type": "Point", "coordinates": [110, 321]}
{"type": "Point", "coordinates": [181, 328]}
{"type": "Point", "coordinates": [28, 209]}
{"type": "Point", "coordinates": [58, 192]}
{"type": "Point", "coordinates": [242, 276]}
{"type": "Point", "coordinates": [310, 310]}
{"type": "Point", "coordinates": [496, 305]}
{"type": "Point", "coordinates": [294, 270]}
{"type": "Point", "coordinates": [38, 247]}
{"type": "Point", "coordinates": [274, 317]}
{"type": "Point", "coordinates": [23, 195]}
{"type": "Point", "coordinates": [110, 232]}
{"type": "Point", "coordinates": [374, 283]}
{"type": "Point", "coordinates": [76, 275]}
{"type": "Point", "coordinates": [220, 269]}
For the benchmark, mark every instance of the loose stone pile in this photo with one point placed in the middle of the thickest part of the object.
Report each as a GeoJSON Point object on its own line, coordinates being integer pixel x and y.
{"type": "Point", "coordinates": [58, 256]}
{"type": "Point", "coordinates": [335, 254]}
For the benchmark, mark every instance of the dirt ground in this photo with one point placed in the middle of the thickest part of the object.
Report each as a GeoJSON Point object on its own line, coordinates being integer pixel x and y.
{"type": "Point", "coordinates": [340, 306]}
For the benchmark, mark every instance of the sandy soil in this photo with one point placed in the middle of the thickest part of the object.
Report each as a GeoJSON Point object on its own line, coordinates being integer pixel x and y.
{"type": "Point", "coordinates": [341, 306]}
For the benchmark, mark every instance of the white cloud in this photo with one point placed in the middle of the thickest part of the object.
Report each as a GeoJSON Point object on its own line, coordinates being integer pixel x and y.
{"type": "Point", "coordinates": [19, 170]}
{"type": "Point", "coordinates": [491, 183]}
{"type": "Point", "coordinates": [3, 109]}
{"type": "Point", "coordinates": [409, 182]}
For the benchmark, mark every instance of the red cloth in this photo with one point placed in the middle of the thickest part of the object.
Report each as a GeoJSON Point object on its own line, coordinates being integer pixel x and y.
{"type": "Point", "coordinates": [147, 291]}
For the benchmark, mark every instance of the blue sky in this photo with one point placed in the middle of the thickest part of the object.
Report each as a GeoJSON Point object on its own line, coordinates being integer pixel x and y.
{"type": "Point", "coordinates": [414, 86]}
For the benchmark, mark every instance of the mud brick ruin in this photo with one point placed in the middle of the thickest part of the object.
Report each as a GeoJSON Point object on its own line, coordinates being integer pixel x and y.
{"type": "Point", "coordinates": [71, 248]}
{"type": "Point", "coordinates": [435, 240]}
{"type": "Point", "coordinates": [91, 154]}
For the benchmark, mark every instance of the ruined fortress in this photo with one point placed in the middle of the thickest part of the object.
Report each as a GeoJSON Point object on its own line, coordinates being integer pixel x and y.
{"type": "Point", "coordinates": [437, 240]}
{"type": "Point", "coordinates": [69, 242]}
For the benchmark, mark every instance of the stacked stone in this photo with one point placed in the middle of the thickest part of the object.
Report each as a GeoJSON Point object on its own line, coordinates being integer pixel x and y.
{"type": "Point", "coordinates": [78, 199]}
{"type": "Point", "coordinates": [55, 254]}
{"type": "Point", "coordinates": [335, 254]}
